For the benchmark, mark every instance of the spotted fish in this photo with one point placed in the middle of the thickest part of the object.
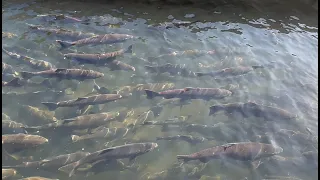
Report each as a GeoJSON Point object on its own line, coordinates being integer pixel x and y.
{"type": "Point", "coordinates": [83, 101]}
{"type": "Point", "coordinates": [95, 40]}
{"type": "Point", "coordinates": [191, 93]}
{"type": "Point", "coordinates": [243, 151]}
{"type": "Point", "coordinates": [78, 74]}
{"type": "Point", "coordinates": [97, 59]}
{"type": "Point", "coordinates": [253, 109]}
{"type": "Point", "coordinates": [80, 122]}
{"type": "Point", "coordinates": [31, 62]}
{"type": "Point", "coordinates": [172, 69]}
{"type": "Point", "coordinates": [130, 151]}
{"type": "Point", "coordinates": [61, 33]}
{"type": "Point", "coordinates": [52, 162]}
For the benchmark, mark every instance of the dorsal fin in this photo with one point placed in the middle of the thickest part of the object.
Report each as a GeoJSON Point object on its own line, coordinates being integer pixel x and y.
{"type": "Point", "coordinates": [60, 69]}
{"type": "Point", "coordinates": [106, 150]}
{"type": "Point", "coordinates": [188, 88]}
{"type": "Point", "coordinates": [81, 98]}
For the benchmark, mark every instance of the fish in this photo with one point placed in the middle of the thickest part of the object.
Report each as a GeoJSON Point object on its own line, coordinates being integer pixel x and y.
{"type": "Point", "coordinates": [187, 138]}
{"type": "Point", "coordinates": [58, 17]}
{"type": "Point", "coordinates": [172, 69]}
{"type": "Point", "coordinates": [97, 59]}
{"type": "Point", "coordinates": [134, 89]}
{"type": "Point", "coordinates": [33, 97]}
{"type": "Point", "coordinates": [167, 25]}
{"type": "Point", "coordinates": [95, 40]}
{"type": "Point", "coordinates": [9, 126]}
{"type": "Point", "coordinates": [191, 93]}
{"type": "Point", "coordinates": [280, 178]}
{"type": "Point", "coordinates": [186, 53]}
{"type": "Point", "coordinates": [37, 178]}
{"type": "Point", "coordinates": [130, 151]}
{"type": "Point", "coordinates": [31, 62]}
{"type": "Point", "coordinates": [62, 73]}
{"type": "Point", "coordinates": [102, 132]}
{"type": "Point", "coordinates": [242, 151]}
{"type": "Point", "coordinates": [28, 83]}
{"type": "Point", "coordinates": [80, 122]}
{"type": "Point", "coordinates": [61, 33]}
{"type": "Point", "coordinates": [253, 109]}
{"type": "Point", "coordinates": [167, 102]}
{"type": "Point", "coordinates": [118, 65]}
{"type": "Point", "coordinates": [232, 71]}
{"type": "Point", "coordinates": [81, 102]}
{"type": "Point", "coordinates": [39, 114]}
{"type": "Point", "coordinates": [8, 173]}
{"type": "Point", "coordinates": [5, 117]}
{"type": "Point", "coordinates": [13, 83]}
{"type": "Point", "coordinates": [13, 143]}
{"type": "Point", "coordinates": [8, 69]}
{"type": "Point", "coordinates": [52, 162]}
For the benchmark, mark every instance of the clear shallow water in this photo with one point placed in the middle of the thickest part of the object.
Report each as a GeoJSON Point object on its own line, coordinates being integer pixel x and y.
{"type": "Point", "coordinates": [238, 35]}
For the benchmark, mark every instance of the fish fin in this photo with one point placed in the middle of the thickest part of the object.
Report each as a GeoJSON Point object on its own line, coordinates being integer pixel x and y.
{"type": "Point", "coordinates": [106, 150]}
{"type": "Point", "coordinates": [185, 158]}
{"type": "Point", "coordinates": [26, 75]}
{"type": "Point", "coordinates": [151, 94]}
{"type": "Point", "coordinates": [256, 164]}
{"type": "Point", "coordinates": [64, 44]}
{"type": "Point", "coordinates": [50, 105]}
{"type": "Point", "coordinates": [188, 88]}
{"type": "Point", "coordinates": [46, 82]}
{"type": "Point", "coordinates": [129, 49]}
{"type": "Point", "coordinates": [14, 82]}
{"type": "Point", "coordinates": [101, 107]}
{"type": "Point", "coordinates": [60, 70]}
{"type": "Point", "coordinates": [15, 157]}
{"type": "Point", "coordinates": [75, 138]}
{"type": "Point", "coordinates": [81, 98]}
{"type": "Point", "coordinates": [199, 74]}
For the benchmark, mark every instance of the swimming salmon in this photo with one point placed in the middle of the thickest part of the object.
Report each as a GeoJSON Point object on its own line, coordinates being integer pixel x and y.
{"type": "Point", "coordinates": [83, 101]}
{"type": "Point", "coordinates": [172, 69]}
{"type": "Point", "coordinates": [95, 40]}
{"type": "Point", "coordinates": [130, 151]}
{"type": "Point", "coordinates": [78, 74]}
{"type": "Point", "coordinates": [96, 58]}
{"type": "Point", "coordinates": [191, 93]}
{"type": "Point", "coordinates": [243, 151]}
{"type": "Point", "coordinates": [31, 62]}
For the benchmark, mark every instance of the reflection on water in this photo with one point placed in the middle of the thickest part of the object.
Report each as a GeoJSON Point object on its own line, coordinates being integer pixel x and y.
{"type": "Point", "coordinates": [200, 40]}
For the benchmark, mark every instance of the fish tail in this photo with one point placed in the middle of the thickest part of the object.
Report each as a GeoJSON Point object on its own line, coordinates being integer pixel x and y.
{"type": "Point", "coordinates": [46, 82]}
{"type": "Point", "coordinates": [151, 94]}
{"type": "Point", "coordinates": [214, 109]}
{"type": "Point", "coordinates": [50, 105]}
{"type": "Point", "coordinates": [129, 49]}
{"type": "Point", "coordinates": [75, 138]}
{"type": "Point", "coordinates": [199, 74]}
{"type": "Point", "coordinates": [64, 44]}
{"type": "Point", "coordinates": [26, 75]}
{"type": "Point", "coordinates": [14, 82]}
{"type": "Point", "coordinates": [159, 138]}
{"type": "Point", "coordinates": [5, 51]}
{"type": "Point", "coordinates": [185, 158]}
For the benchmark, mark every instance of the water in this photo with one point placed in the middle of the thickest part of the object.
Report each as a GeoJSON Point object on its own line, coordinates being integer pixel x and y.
{"type": "Point", "coordinates": [239, 35]}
